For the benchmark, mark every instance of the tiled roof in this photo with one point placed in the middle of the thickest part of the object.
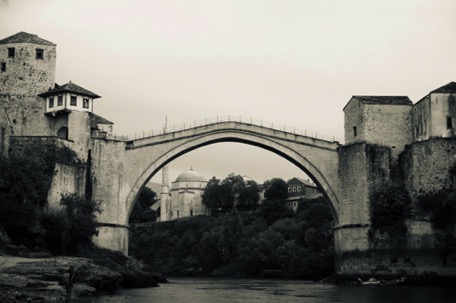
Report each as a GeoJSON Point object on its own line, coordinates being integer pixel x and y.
{"type": "Point", "coordinates": [95, 120]}
{"type": "Point", "coordinates": [449, 88]}
{"type": "Point", "coordinates": [391, 100]}
{"type": "Point", "coordinates": [23, 37]}
{"type": "Point", "coordinates": [306, 182]}
{"type": "Point", "coordinates": [69, 87]}
{"type": "Point", "coordinates": [303, 181]}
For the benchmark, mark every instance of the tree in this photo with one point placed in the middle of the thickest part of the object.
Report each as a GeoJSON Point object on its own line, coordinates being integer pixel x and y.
{"type": "Point", "coordinates": [217, 195]}
{"type": "Point", "coordinates": [250, 194]}
{"type": "Point", "coordinates": [273, 210]}
{"type": "Point", "coordinates": [141, 210]}
{"type": "Point", "coordinates": [222, 196]}
{"type": "Point", "coordinates": [82, 224]}
{"type": "Point", "coordinates": [275, 189]}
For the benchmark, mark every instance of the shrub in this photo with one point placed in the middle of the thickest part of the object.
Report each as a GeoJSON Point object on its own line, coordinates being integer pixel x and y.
{"type": "Point", "coordinates": [71, 230]}
{"type": "Point", "coordinates": [390, 208]}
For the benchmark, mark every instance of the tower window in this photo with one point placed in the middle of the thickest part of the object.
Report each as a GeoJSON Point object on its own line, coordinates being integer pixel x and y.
{"type": "Point", "coordinates": [51, 102]}
{"type": "Point", "coordinates": [449, 122]}
{"type": "Point", "coordinates": [355, 131]}
{"type": "Point", "coordinates": [85, 103]}
{"type": "Point", "coordinates": [73, 101]}
{"type": "Point", "coordinates": [11, 52]}
{"type": "Point", "coordinates": [59, 100]}
{"type": "Point", "coordinates": [39, 54]}
{"type": "Point", "coordinates": [3, 67]}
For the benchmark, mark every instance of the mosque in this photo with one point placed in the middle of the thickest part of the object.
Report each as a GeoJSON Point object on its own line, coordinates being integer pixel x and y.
{"type": "Point", "coordinates": [185, 196]}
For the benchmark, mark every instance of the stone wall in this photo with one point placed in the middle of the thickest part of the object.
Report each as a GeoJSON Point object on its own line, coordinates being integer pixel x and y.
{"type": "Point", "coordinates": [363, 251]}
{"type": "Point", "coordinates": [426, 165]}
{"type": "Point", "coordinates": [24, 78]}
{"type": "Point", "coordinates": [362, 168]}
{"type": "Point", "coordinates": [67, 179]}
{"type": "Point", "coordinates": [381, 124]}
{"type": "Point", "coordinates": [109, 186]}
{"type": "Point", "coordinates": [25, 74]}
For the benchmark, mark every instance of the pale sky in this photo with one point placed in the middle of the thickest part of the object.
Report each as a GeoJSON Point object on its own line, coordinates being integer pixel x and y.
{"type": "Point", "coordinates": [291, 62]}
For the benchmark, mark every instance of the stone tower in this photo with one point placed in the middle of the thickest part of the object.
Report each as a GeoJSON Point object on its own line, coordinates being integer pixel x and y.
{"type": "Point", "coordinates": [27, 68]}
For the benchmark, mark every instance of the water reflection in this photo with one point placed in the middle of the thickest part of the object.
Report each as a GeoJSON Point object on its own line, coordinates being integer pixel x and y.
{"type": "Point", "coordinates": [277, 291]}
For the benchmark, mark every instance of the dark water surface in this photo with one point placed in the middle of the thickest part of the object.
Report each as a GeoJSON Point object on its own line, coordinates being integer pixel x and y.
{"type": "Point", "coordinates": [221, 290]}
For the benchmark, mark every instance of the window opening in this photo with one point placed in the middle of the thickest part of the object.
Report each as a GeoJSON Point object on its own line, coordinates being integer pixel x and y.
{"type": "Point", "coordinates": [59, 100]}
{"type": "Point", "coordinates": [449, 122]}
{"type": "Point", "coordinates": [355, 131]}
{"type": "Point", "coordinates": [51, 102]}
{"type": "Point", "coordinates": [3, 68]}
{"type": "Point", "coordinates": [73, 101]}
{"type": "Point", "coordinates": [39, 54]}
{"type": "Point", "coordinates": [85, 103]}
{"type": "Point", "coordinates": [11, 52]}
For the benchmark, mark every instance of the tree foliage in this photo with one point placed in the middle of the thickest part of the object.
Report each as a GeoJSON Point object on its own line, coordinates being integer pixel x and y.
{"type": "Point", "coordinates": [275, 189]}
{"type": "Point", "coordinates": [390, 208]}
{"type": "Point", "coordinates": [71, 229]}
{"type": "Point", "coordinates": [441, 205]}
{"type": "Point", "coordinates": [141, 210]}
{"type": "Point", "coordinates": [233, 191]}
{"type": "Point", "coordinates": [240, 243]}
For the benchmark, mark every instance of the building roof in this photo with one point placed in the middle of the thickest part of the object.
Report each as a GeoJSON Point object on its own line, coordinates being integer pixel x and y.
{"type": "Point", "coordinates": [449, 88]}
{"type": "Point", "coordinates": [303, 181]}
{"type": "Point", "coordinates": [95, 120]}
{"type": "Point", "coordinates": [23, 37]}
{"type": "Point", "coordinates": [190, 176]}
{"type": "Point", "coordinates": [71, 88]}
{"type": "Point", "coordinates": [388, 100]}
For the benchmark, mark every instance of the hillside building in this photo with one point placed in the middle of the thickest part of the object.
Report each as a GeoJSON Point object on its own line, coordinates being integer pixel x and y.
{"type": "Point", "coordinates": [394, 121]}
{"type": "Point", "coordinates": [299, 189]}
{"type": "Point", "coordinates": [33, 106]}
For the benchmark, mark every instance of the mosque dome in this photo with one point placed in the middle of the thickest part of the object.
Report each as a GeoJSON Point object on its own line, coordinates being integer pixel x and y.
{"type": "Point", "coordinates": [191, 176]}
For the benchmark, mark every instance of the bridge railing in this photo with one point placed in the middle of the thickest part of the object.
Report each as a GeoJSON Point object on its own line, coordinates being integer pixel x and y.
{"type": "Point", "coordinates": [219, 119]}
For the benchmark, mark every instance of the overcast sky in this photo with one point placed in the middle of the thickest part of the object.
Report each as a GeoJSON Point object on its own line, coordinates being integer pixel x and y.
{"type": "Point", "coordinates": [292, 62]}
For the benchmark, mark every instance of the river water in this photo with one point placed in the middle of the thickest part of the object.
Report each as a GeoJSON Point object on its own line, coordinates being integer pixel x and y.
{"type": "Point", "coordinates": [222, 290]}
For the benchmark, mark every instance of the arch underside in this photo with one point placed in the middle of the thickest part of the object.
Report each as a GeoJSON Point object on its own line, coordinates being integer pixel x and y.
{"type": "Point", "coordinates": [274, 145]}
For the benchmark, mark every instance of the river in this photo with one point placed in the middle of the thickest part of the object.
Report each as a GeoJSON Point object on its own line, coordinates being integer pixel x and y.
{"type": "Point", "coordinates": [223, 290]}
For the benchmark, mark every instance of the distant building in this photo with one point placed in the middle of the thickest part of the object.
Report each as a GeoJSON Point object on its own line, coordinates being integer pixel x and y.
{"type": "Point", "coordinates": [300, 189]}
{"type": "Point", "coordinates": [434, 115]}
{"type": "Point", "coordinates": [184, 199]}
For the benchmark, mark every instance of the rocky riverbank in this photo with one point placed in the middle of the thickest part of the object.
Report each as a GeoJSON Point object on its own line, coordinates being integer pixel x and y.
{"type": "Point", "coordinates": [38, 277]}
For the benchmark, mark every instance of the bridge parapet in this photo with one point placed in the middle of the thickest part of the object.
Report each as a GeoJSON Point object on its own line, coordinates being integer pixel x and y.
{"type": "Point", "coordinates": [218, 119]}
{"type": "Point", "coordinates": [239, 124]}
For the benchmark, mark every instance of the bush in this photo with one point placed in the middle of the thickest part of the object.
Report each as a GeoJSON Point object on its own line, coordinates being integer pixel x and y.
{"type": "Point", "coordinates": [71, 230]}
{"type": "Point", "coordinates": [56, 226]}
{"type": "Point", "coordinates": [20, 221]}
{"type": "Point", "coordinates": [390, 208]}
{"type": "Point", "coordinates": [441, 205]}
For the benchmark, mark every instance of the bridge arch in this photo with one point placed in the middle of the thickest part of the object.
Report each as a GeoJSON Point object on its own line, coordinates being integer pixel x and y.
{"type": "Point", "coordinates": [286, 149]}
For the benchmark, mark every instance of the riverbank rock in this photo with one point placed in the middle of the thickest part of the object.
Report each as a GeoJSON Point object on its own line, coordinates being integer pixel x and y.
{"type": "Point", "coordinates": [135, 274]}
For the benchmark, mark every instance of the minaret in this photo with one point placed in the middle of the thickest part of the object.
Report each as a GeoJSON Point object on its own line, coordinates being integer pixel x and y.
{"type": "Point", "coordinates": [164, 208]}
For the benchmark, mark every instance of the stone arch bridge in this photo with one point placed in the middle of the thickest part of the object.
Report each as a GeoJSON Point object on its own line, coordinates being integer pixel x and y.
{"type": "Point", "coordinates": [121, 168]}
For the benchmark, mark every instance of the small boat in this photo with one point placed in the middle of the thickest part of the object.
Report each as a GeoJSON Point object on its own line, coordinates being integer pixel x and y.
{"type": "Point", "coordinates": [374, 281]}
{"type": "Point", "coordinates": [371, 281]}
{"type": "Point", "coordinates": [395, 281]}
